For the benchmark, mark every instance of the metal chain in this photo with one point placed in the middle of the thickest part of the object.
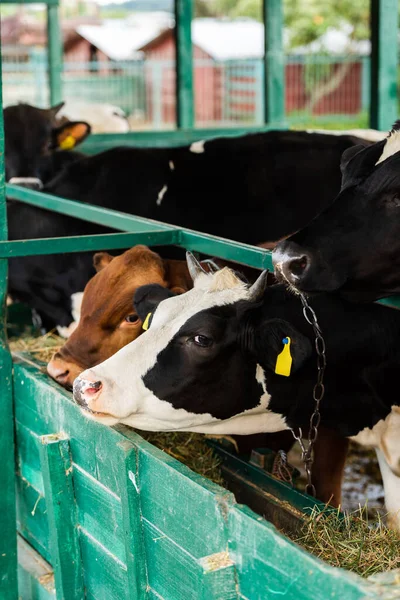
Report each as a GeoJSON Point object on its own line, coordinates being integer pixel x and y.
{"type": "Point", "coordinates": [318, 394]}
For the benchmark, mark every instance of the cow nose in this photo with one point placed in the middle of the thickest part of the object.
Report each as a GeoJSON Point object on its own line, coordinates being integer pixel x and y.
{"type": "Point", "coordinates": [58, 370]}
{"type": "Point", "coordinates": [85, 390]}
{"type": "Point", "coordinates": [291, 262]}
{"type": "Point", "coordinates": [62, 371]}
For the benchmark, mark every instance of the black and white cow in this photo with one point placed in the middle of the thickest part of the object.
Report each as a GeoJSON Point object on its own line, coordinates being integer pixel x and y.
{"type": "Point", "coordinates": [254, 188]}
{"type": "Point", "coordinates": [354, 245]}
{"type": "Point", "coordinates": [38, 145]}
{"type": "Point", "coordinates": [209, 363]}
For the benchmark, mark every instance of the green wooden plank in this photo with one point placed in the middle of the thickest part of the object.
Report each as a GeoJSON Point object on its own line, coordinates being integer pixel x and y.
{"type": "Point", "coordinates": [271, 566]}
{"type": "Point", "coordinates": [99, 513]}
{"type": "Point", "coordinates": [85, 243]}
{"type": "Point", "coordinates": [32, 517]}
{"type": "Point", "coordinates": [384, 53]}
{"type": "Point", "coordinates": [105, 577]}
{"type": "Point", "coordinates": [174, 574]}
{"type": "Point", "coordinates": [164, 139]}
{"type": "Point", "coordinates": [184, 64]}
{"type": "Point", "coordinates": [54, 50]}
{"type": "Point", "coordinates": [62, 515]}
{"type": "Point", "coordinates": [133, 526]}
{"type": "Point", "coordinates": [28, 460]}
{"type": "Point", "coordinates": [35, 575]}
{"type": "Point", "coordinates": [274, 62]}
{"type": "Point", "coordinates": [168, 493]}
{"type": "Point", "coordinates": [8, 539]}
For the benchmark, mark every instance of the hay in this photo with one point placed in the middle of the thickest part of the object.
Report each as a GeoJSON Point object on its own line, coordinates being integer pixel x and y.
{"type": "Point", "coordinates": [42, 347]}
{"type": "Point", "coordinates": [190, 449]}
{"type": "Point", "coordinates": [350, 541]}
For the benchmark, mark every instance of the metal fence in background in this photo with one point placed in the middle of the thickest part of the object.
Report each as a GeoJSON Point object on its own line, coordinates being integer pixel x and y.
{"type": "Point", "coordinates": [320, 90]}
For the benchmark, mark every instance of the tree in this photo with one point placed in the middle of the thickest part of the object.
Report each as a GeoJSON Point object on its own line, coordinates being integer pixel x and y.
{"type": "Point", "coordinates": [305, 20]}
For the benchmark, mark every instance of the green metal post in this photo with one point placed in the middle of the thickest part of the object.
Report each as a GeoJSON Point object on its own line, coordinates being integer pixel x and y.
{"type": "Point", "coordinates": [55, 50]}
{"type": "Point", "coordinates": [184, 64]}
{"type": "Point", "coordinates": [274, 62]}
{"type": "Point", "coordinates": [8, 534]}
{"type": "Point", "coordinates": [384, 50]}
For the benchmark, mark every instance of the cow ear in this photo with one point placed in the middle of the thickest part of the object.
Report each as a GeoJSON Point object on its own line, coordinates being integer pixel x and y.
{"type": "Point", "coordinates": [101, 260]}
{"type": "Point", "coordinates": [53, 111]}
{"type": "Point", "coordinates": [177, 276]}
{"type": "Point", "coordinates": [70, 134]}
{"type": "Point", "coordinates": [358, 161]}
{"type": "Point", "coordinates": [280, 347]}
{"type": "Point", "coordinates": [147, 298]}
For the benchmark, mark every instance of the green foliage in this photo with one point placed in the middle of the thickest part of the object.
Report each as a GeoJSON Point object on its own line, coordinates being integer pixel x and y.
{"type": "Point", "coordinates": [306, 20]}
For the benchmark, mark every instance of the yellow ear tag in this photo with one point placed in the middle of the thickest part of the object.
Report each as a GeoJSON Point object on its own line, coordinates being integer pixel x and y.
{"type": "Point", "coordinates": [145, 325]}
{"type": "Point", "coordinates": [284, 359]}
{"type": "Point", "coordinates": [68, 143]}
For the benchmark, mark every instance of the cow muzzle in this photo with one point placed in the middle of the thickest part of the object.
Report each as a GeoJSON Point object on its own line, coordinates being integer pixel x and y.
{"type": "Point", "coordinates": [291, 263]}
{"type": "Point", "coordinates": [86, 392]}
{"type": "Point", "coordinates": [63, 371]}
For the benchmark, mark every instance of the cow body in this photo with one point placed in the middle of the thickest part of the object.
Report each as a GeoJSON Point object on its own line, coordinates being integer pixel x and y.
{"type": "Point", "coordinates": [253, 188]}
{"type": "Point", "coordinates": [354, 245]}
{"type": "Point", "coordinates": [208, 362]}
{"type": "Point", "coordinates": [256, 188]}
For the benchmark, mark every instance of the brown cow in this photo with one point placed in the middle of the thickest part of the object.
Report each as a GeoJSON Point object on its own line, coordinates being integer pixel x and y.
{"type": "Point", "coordinates": [107, 319]}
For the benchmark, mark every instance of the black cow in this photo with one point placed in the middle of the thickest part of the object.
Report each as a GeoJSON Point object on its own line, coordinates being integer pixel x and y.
{"type": "Point", "coordinates": [37, 144]}
{"type": "Point", "coordinates": [255, 188]}
{"type": "Point", "coordinates": [354, 245]}
{"type": "Point", "coordinates": [213, 361]}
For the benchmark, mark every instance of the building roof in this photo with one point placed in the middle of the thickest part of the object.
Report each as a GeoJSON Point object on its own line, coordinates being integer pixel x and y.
{"type": "Point", "coordinates": [225, 39]}
{"type": "Point", "coordinates": [120, 39]}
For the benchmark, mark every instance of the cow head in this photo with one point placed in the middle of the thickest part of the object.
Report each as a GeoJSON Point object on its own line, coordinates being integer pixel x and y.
{"type": "Point", "coordinates": [31, 135]}
{"type": "Point", "coordinates": [200, 366]}
{"type": "Point", "coordinates": [354, 245]}
{"type": "Point", "coordinates": [108, 320]}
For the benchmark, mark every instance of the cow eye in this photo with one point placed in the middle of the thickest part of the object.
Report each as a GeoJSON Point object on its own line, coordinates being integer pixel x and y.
{"type": "Point", "coordinates": [131, 318]}
{"type": "Point", "coordinates": [202, 341]}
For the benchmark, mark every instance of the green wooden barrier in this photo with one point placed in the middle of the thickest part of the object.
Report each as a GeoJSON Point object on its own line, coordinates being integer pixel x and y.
{"type": "Point", "coordinates": [119, 518]}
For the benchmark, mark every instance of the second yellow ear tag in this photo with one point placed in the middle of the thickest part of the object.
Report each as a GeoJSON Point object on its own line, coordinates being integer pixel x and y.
{"type": "Point", "coordinates": [68, 143]}
{"type": "Point", "coordinates": [146, 323]}
{"type": "Point", "coordinates": [284, 359]}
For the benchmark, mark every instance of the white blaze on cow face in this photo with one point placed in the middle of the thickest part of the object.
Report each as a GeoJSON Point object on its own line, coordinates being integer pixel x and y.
{"type": "Point", "coordinates": [124, 397]}
{"type": "Point", "coordinates": [391, 147]}
{"type": "Point", "coordinates": [198, 147]}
